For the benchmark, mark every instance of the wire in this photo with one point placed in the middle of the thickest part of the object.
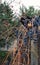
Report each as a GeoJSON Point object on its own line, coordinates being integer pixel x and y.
{"type": "Point", "coordinates": [11, 2]}
{"type": "Point", "coordinates": [7, 57]}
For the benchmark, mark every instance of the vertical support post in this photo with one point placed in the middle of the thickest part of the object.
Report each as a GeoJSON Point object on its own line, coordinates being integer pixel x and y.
{"type": "Point", "coordinates": [29, 52]}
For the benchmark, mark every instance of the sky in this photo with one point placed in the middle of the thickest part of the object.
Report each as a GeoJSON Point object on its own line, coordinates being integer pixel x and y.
{"type": "Point", "coordinates": [17, 3]}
